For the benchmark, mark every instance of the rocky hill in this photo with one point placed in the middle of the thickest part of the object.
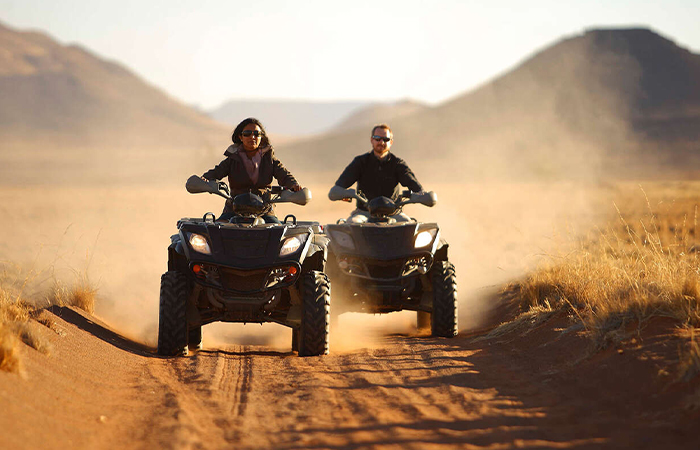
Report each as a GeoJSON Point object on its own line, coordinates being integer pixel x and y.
{"type": "Point", "coordinates": [65, 96]}
{"type": "Point", "coordinates": [608, 101]}
{"type": "Point", "coordinates": [287, 117]}
{"type": "Point", "coordinates": [378, 113]}
{"type": "Point", "coordinates": [605, 102]}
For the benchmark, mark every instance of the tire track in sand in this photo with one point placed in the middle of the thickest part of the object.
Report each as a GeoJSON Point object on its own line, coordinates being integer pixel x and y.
{"type": "Point", "coordinates": [202, 398]}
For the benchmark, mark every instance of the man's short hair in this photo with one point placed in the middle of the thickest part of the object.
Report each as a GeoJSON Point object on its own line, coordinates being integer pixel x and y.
{"type": "Point", "coordinates": [384, 126]}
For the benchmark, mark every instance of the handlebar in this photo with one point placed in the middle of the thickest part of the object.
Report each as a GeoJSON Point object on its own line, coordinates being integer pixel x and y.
{"type": "Point", "coordinates": [428, 198]}
{"type": "Point", "coordinates": [196, 185]}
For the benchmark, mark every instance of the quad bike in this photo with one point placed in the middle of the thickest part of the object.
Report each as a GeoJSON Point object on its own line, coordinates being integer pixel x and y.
{"type": "Point", "coordinates": [245, 270]}
{"type": "Point", "coordinates": [379, 264]}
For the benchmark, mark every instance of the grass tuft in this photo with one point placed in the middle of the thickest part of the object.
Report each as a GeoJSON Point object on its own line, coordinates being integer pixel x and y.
{"type": "Point", "coordinates": [81, 295]}
{"type": "Point", "coordinates": [9, 359]}
{"type": "Point", "coordinates": [523, 323]}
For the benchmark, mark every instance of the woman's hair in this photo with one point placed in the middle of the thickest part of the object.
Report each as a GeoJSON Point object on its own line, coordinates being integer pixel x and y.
{"type": "Point", "coordinates": [236, 135]}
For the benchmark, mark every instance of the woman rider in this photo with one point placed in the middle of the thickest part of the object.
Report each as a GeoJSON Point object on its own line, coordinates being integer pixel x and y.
{"type": "Point", "coordinates": [250, 165]}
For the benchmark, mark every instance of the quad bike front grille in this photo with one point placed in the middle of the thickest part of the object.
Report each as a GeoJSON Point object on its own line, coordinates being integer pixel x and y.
{"type": "Point", "coordinates": [246, 248]}
{"type": "Point", "coordinates": [385, 270]}
{"type": "Point", "coordinates": [388, 270]}
{"type": "Point", "coordinates": [243, 280]}
{"type": "Point", "coordinates": [386, 239]}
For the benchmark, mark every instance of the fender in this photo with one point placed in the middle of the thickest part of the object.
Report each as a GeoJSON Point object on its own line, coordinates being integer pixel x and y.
{"type": "Point", "coordinates": [441, 252]}
{"type": "Point", "coordinates": [318, 253]}
{"type": "Point", "coordinates": [176, 253]}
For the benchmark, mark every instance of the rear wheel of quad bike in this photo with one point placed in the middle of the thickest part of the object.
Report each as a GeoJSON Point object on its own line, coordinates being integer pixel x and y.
{"type": "Point", "coordinates": [194, 338]}
{"type": "Point", "coordinates": [315, 318]}
{"type": "Point", "coordinates": [444, 316]}
{"type": "Point", "coordinates": [295, 340]}
{"type": "Point", "coordinates": [423, 320]}
{"type": "Point", "coordinates": [172, 320]}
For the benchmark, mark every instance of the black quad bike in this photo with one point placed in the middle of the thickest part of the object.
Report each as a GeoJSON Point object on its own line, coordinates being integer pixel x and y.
{"type": "Point", "coordinates": [245, 270]}
{"type": "Point", "coordinates": [379, 264]}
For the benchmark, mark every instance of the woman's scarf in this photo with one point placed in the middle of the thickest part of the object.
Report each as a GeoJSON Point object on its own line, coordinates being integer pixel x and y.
{"type": "Point", "coordinates": [252, 164]}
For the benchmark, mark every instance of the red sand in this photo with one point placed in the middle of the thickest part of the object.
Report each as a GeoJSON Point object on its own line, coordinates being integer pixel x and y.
{"type": "Point", "coordinates": [543, 389]}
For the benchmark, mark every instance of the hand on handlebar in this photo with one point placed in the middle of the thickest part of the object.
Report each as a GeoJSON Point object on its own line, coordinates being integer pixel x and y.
{"type": "Point", "coordinates": [295, 188]}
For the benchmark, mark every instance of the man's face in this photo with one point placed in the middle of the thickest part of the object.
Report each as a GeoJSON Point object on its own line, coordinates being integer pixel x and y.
{"type": "Point", "coordinates": [379, 145]}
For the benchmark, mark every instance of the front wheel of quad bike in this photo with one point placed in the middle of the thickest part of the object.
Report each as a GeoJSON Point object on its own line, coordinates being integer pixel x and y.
{"type": "Point", "coordinates": [312, 337]}
{"type": "Point", "coordinates": [172, 320]}
{"type": "Point", "coordinates": [444, 316]}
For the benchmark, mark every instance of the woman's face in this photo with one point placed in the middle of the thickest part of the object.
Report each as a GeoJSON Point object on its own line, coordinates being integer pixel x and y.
{"type": "Point", "coordinates": [251, 137]}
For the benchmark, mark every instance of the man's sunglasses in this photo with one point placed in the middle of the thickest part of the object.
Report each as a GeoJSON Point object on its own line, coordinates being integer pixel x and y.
{"type": "Point", "coordinates": [381, 138]}
{"type": "Point", "coordinates": [248, 133]}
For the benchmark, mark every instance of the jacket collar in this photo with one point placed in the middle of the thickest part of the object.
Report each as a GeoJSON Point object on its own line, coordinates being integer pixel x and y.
{"type": "Point", "coordinates": [238, 149]}
{"type": "Point", "coordinates": [385, 159]}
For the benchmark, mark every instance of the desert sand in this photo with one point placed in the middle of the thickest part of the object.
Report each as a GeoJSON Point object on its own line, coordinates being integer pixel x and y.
{"type": "Point", "coordinates": [98, 390]}
{"type": "Point", "coordinates": [383, 385]}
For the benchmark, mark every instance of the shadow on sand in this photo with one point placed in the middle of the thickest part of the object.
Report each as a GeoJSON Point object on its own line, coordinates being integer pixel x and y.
{"type": "Point", "coordinates": [100, 330]}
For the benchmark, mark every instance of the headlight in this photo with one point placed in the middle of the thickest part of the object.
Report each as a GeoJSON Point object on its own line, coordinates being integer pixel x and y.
{"type": "Point", "coordinates": [424, 238]}
{"type": "Point", "coordinates": [290, 245]}
{"type": "Point", "coordinates": [199, 244]}
{"type": "Point", "coordinates": [343, 239]}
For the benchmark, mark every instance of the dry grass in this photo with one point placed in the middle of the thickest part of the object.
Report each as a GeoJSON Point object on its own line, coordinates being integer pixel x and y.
{"type": "Point", "coordinates": [644, 264]}
{"type": "Point", "coordinates": [9, 360]}
{"type": "Point", "coordinates": [13, 313]}
{"type": "Point", "coordinates": [81, 295]}
{"type": "Point", "coordinates": [20, 301]}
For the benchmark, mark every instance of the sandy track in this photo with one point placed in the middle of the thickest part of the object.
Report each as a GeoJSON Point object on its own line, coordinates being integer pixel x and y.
{"type": "Point", "coordinates": [99, 390]}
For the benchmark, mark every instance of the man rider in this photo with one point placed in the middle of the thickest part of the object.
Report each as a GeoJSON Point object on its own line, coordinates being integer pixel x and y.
{"type": "Point", "coordinates": [378, 173]}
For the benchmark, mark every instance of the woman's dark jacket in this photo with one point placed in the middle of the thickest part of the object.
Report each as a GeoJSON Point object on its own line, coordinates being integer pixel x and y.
{"type": "Point", "coordinates": [238, 179]}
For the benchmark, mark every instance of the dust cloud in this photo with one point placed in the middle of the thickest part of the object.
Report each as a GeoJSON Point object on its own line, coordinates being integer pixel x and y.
{"type": "Point", "coordinates": [118, 236]}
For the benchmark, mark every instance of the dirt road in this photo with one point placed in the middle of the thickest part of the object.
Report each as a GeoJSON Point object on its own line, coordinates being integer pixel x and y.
{"type": "Point", "coordinates": [99, 390]}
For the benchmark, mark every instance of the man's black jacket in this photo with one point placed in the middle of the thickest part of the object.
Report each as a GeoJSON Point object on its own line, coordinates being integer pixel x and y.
{"type": "Point", "coordinates": [377, 177]}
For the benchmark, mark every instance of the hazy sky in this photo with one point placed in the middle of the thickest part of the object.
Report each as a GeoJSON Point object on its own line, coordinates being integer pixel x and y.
{"type": "Point", "coordinates": [208, 51]}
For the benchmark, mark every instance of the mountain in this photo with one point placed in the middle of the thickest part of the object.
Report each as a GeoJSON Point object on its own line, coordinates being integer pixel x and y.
{"type": "Point", "coordinates": [287, 117]}
{"type": "Point", "coordinates": [608, 101]}
{"type": "Point", "coordinates": [604, 102]}
{"type": "Point", "coordinates": [379, 112]}
{"type": "Point", "coordinates": [297, 118]}
{"type": "Point", "coordinates": [64, 96]}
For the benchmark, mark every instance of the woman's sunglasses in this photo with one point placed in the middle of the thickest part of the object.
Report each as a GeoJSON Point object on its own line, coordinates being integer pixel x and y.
{"type": "Point", "coordinates": [381, 138]}
{"type": "Point", "coordinates": [248, 133]}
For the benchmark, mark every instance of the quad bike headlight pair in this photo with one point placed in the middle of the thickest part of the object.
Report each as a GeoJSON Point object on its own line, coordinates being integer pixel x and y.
{"type": "Point", "coordinates": [425, 238]}
{"type": "Point", "coordinates": [290, 245]}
